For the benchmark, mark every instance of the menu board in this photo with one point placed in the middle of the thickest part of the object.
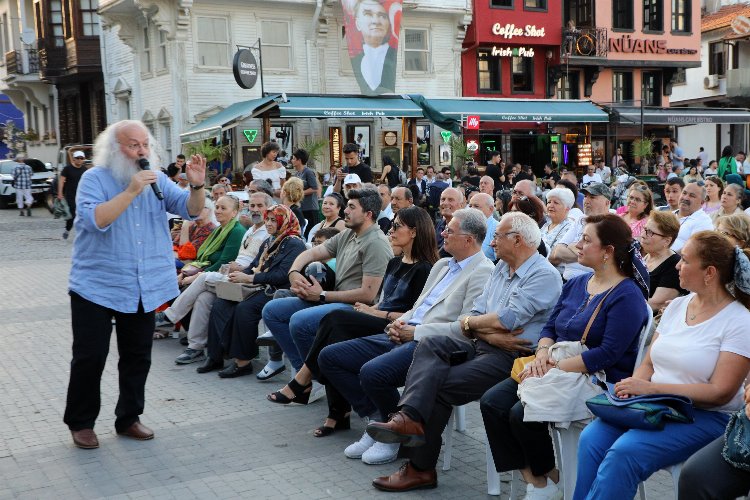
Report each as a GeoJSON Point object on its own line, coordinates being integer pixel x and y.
{"type": "Point", "coordinates": [584, 155]}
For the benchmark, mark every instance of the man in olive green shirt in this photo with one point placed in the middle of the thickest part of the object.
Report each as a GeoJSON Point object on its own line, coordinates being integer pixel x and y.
{"type": "Point", "coordinates": [362, 253]}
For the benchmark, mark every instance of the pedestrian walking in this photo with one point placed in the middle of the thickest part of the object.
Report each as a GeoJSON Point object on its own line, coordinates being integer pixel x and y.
{"type": "Point", "coordinates": [67, 186]}
{"type": "Point", "coordinates": [22, 183]}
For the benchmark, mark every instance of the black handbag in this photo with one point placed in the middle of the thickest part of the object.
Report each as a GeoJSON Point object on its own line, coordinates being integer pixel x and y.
{"type": "Point", "coordinates": [737, 441]}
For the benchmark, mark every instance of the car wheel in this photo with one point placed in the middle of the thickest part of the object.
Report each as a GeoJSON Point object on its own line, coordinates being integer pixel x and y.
{"type": "Point", "coordinates": [4, 201]}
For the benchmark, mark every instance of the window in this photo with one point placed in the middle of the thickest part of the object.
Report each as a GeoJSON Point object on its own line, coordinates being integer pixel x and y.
{"type": "Point", "coordinates": [717, 58]}
{"type": "Point", "coordinates": [345, 62]}
{"type": "Point", "coordinates": [622, 86]}
{"type": "Point", "coordinates": [212, 41]}
{"type": "Point", "coordinates": [89, 17]}
{"type": "Point", "coordinates": [416, 50]}
{"type": "Point", "coordinates": [3, 25]}
{"type": "Point", "coordinates": [535, 4]}
{"type": "Point", "coordinates": [56, 22]}
{"type": "Point", "coordinates": [581, 13]}
{"type": "Point", "coordinates": [622, 14]}
{"type": "Point", "coordinates": [488, 71]}
{"type": "Point", "coordinates": [568, 87]}
{"type": "Point", "coordinates": [161, 51]}
{"type": "Point", "coordinates": [165, 133]}
{"type": "Point", "coordinates": [123, 106]}
{"type": "Point", "coordinates": [523, 74]}
{"type": "Point", "coordinates": [681, 15]}
{"type": "Point", "coordinates": [653, 15]}
{"type": "Point", "coordinates": [651, 88]}
{"type": "Point", "coordinates": [277, 44]}
{"type": "Point", "coordinates": [503, 4]}
{"type": "Point", "coordinates": [146, 50]}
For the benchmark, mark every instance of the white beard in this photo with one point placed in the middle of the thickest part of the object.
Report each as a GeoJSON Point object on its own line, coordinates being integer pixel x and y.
{"type": "Point", "coordinates": [122, 168]}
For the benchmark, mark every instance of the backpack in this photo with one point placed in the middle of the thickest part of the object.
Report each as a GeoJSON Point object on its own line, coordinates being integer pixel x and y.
{"type": "Point", "coordinates": [402, 177]}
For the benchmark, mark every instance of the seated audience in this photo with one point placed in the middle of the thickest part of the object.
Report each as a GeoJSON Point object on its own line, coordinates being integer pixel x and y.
{"type": "Point", "coordinates": [331, 209]}
{"type": "Point", "coordinates": [518, 297]}
{"type": "Point", "coordinates": [524, 187]}
{"type": "Point", "coordinates": [714, 190]}
{"type": "Point", "coordinates": [736, 227]}
{"type": "Point", "coordinates": [636, 212]}
{"type": "Point", "coordinates": [692, 217]}
{"type": "Point", "coordinates": [368, 371]}
{"type": "Point", "coordinates": [693, 175]}
{"type": "Point", "coordinates": [413, 239]}
{"type": "Point", "coordinates": [657, 237]}
{"type": "Point", "coordinates": [533, 208]}
{"type": "Point", "coordinates": [233, 326]}
{"type": "Point", "coordinates": [701, 350]}
{"type": "Point", "coordinates": [484, 203]}
{"type": "Point", "coordinates": [196, 231]}
{"type": "Point", "coordinates": [576, 211]}
{"type": "Point", "coordinates": [731, 202]}
{"type": "Point", "coordinates": [672, 191]}
{"type": "Point", "coordinates": [559, 202]}
{"type": "Point", "coordinates": [385, 217]}
{"type": "Point", "coordinates": [620, 283]}
{"type": "Point", "coordinates": [451, 200]}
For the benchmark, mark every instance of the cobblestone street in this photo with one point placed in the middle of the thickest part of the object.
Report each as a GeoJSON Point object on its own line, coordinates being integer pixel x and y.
{"type": "Point", "coordinates": [215, 438]}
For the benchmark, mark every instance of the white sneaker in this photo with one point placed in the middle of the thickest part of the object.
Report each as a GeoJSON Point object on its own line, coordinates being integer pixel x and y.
{"type": "Point", "coordinates": [381, 453]}
{"type": "Point", "coordinates": [549, 492]}
{"type": "Point", "coordinates": [356, 450]}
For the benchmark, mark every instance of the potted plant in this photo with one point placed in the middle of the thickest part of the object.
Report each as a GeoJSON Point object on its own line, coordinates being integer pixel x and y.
{"type": "Point", "coordinates": [642, 149]}
{"type": "Point", "coordinates": [459, 152]}
{"type": "Point", "coordinates": [315, 148]}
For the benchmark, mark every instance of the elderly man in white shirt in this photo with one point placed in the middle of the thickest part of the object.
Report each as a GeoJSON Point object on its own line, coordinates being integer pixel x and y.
{"type": "Point", "coordinates": [691, 215]}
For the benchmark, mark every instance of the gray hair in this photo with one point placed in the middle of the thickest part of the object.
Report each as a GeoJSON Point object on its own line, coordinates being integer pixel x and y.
{"type": "Point", "coordinates": [489, 202]}
{"type": "Point", "coordinates": [563, 194]}
{"type": "Point", "coordinates": [106, 146]}
{"type": "Point", "coordinates": [738, 190]}
{"type": "Point", "coordinates": [264, 186]}
{"type": "Point", "coordinates": [268, 200]}
{"type": "Point", "coordinates": [218, 186]}
{"type": "Point", "coordinates": [472, 222]}
{"type": "Point", "coordinates": [525, 226]}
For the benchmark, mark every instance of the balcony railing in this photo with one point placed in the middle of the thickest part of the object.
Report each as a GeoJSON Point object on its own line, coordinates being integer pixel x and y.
{"type": "Point", "coordinates": [738, 82]}
{"type": "Point", "coordinates": [584, 42]}
{"type": "Point", "coordinates": [52, 58]}
{"type": "Point", "coordinates": [16, 64]}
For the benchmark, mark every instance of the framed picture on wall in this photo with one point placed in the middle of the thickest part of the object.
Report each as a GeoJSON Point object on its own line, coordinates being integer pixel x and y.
{"type": "Point", "coordinates": [423, 145]}
{"type": "Point", "coordinates": [283, 134]}
{"type": "Point", "coordinates": [445, 155]}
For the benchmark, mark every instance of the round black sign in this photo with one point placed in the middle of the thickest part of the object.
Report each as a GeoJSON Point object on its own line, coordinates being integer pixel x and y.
{"type": "Point", "coordinates": [245, 69]}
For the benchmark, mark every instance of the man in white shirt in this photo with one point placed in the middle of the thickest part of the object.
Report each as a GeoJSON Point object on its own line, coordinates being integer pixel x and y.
{"type": "Point", "coordinates": [375, 67]}
{"type": "Point", "coordinates": [691, 215]}
{"type": "Point", "coordinates": [703, 156]}
{"type": "Point", "coordinates": [743, 166]}
{"type": "Point", "coordinates": [256, 234]}
{"type": "Point", "coordinates": [596, 201]}
{"type": "Point", "coordinates": [591, 176]}
{"type": "Point", "coordinates": [604, 171]}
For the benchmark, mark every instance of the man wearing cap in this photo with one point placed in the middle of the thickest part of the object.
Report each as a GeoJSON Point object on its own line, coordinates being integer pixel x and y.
{"type": "Point", "coordinates": [353, 166]}
{"type": "Point", "coordinates": [596, 201]}
{"type": "Point", "coordinates": [67, 186]}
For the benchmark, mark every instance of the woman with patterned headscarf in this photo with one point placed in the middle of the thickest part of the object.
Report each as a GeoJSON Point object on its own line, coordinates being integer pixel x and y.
{"type": "Point", "coordinates": [233, 327]}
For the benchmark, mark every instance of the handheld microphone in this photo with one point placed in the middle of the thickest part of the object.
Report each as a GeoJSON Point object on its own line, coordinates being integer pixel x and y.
{"type": "Point", "coordinates": [145, 165]}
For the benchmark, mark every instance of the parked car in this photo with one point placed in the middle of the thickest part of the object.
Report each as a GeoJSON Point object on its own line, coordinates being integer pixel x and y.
{"type": "Point", "coordinates": [40, 182]}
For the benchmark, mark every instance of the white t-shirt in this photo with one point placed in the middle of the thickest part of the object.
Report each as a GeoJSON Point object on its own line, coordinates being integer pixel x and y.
{"type": "Point", "coordinates": [697, 221]}
{"type": "Point", "coordinates": [572, 237]}
{"type": "Point", "coordinates": [685, 354]}
{"type": "Point", "coordinates": [588, 179]}
{"type": "Point", "coordinates": [273, 176]}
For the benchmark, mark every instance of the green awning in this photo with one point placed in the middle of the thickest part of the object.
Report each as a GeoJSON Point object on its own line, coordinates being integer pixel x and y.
{"type": "Point", "coordinates": [519, 110]}
{"type": "Point", "coordinates": [227, 118]}
{"type": "Point", "coordinates": [347, 107]}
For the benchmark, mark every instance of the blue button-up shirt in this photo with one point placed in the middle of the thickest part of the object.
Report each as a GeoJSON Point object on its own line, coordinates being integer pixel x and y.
{"type": "Point", "coordinates": [487, 249]}
{"type": "Point", "coordinates": [524, 299]}
{"type": "Point", "coordinates": [454, 269]}
{"type": "Point", "coordinates": [131, 260]}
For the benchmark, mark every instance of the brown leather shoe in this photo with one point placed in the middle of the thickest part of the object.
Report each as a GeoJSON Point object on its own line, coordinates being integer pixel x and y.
{"type": "Point", "coordinates": [407, 478]}
{"type": "Point", "coordinates": [137, 431]}
{"type": "Point", "coordinates": [399, 429]}
{"type": "Point", "coordinates": [85, 439]}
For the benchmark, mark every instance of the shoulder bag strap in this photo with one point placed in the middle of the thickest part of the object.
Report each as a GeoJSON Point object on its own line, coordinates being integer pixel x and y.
{"type": "Point", "coordinates": [593, 315]}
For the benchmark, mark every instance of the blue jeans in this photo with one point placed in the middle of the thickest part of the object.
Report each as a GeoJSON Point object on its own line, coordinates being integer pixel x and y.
{"type": "Point", "coordinates": [368, 372]}
{"type": "Point", "coordinates": [294, 323]}
{"type": "Point", "coordinates": [612, 461]}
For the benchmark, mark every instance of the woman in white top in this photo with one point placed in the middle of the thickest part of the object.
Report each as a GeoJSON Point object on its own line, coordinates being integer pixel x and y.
{"type": "Point", "coordinates": [269, 169]}
{"type": "Point", "coordinates": [331, 209]}
{"type": "Point", "coordinates": [701, 350]}
{"type": "Point", "coordinates": [559, 202]}
{"type": "Point", "coordinates": [731, 202]}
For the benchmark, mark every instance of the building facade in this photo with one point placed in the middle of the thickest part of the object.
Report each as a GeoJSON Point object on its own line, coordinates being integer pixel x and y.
{"type": "Point", "coordinates": [169, 63]}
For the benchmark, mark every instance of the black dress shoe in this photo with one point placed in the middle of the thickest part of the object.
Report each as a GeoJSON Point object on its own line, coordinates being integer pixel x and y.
{"type": "Point", "coordinates": [233, 370]}
{"type": "Point", "coordinates": [210, 365]}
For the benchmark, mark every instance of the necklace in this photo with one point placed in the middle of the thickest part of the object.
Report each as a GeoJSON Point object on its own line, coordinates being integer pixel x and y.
{"type": "Point", "coordinates": [691, 317]}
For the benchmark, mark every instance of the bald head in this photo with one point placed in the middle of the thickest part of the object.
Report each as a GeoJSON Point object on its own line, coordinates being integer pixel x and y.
{"type": "Point", "coordinates": [451, 199]}
{"type": "Point", "coordinates": [487, 185]}
{"type": "Point", "coordinates": [482, 202]}
{"type": "Point", "coordinates": [524, 188]}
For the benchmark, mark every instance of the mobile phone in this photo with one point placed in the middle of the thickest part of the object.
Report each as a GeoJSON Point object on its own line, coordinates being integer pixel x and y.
{"type": "Point", "coordinates": [457, 357]}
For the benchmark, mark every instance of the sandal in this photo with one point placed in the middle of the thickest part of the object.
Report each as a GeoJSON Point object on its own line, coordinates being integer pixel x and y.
{"type": "Point", "coordinates": [159, 334]}
{"type": "Point", "coordinates": [301, 394]}
{"type": "Point", "coordinates": [342, 424]}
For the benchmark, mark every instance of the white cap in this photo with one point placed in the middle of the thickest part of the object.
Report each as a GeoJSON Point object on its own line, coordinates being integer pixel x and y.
{"type": "Point", "coordinates": [352, 179]}
{"type": "Point", "coordinates": [79, 154]}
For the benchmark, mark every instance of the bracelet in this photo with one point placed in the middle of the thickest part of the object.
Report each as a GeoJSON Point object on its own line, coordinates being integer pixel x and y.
{"type": "Point", "coordinates": [293, 271]}
{"type": "Point", "coordinates": [540, 348]}
{"type": "Point", "coordinates": [196, 188]}
{"type": "Point", "coordinates": [387, 316]}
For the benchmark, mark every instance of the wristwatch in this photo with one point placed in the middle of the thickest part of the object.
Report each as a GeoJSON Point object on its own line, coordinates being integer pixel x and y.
{"type": "Point", "coordinates": [196, 188]}
{"type": "Point", "coordinates": [323, 296]}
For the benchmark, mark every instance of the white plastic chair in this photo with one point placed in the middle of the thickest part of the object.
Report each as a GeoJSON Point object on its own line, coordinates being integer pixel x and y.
{"type": "Point", "coordinates": [458, 416]}
{"type": "Point", "coordinates": [493, 476]}
{"type": "Point", "coordinates": [675, 471]}
{"type": "Point", "coordinates": [566, 440]}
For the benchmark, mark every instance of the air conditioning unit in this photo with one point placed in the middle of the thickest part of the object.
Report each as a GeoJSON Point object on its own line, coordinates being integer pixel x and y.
{"type": "Point", "coordinates": [711, 82]}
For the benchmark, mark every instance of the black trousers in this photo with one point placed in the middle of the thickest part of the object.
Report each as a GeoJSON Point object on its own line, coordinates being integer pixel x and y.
{"type": "Point", "coordinates": [71, 200]}
{"type": "Point", "coordinates": [335, 327]}
{"type": "Point", "coordinates": [233, 329]}
{"type": "Point", "coordinates": [92, 328]}
{"type": "Point", "coordinates": [515, 444]}
{"type": "Point", "coordinates": [312, 218]}
{"type": "Point", "coordinates": [707, 476]}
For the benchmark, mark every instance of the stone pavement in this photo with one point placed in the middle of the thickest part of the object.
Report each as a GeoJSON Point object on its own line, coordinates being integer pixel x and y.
{"type": "Point", "coordinates": [215, 438]}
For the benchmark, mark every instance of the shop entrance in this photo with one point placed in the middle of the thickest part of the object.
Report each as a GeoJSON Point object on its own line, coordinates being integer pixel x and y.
{"type": "Point", "coordinates": [534, 150]}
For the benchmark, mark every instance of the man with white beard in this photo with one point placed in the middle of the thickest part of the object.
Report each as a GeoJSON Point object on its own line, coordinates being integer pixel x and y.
{"type": "Point", "coordinates": [122, 268]}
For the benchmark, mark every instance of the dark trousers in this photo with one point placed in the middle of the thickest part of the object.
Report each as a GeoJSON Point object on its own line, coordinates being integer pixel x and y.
{"type": "Point", "coordinates": [92, 328]}
{"type": "Point", "coordinates": [433, 386]}
{"type": "Point", "coordinates": [368, 371]}
{"type": "Point", "coordinates": [71, 200]}
{"type": "Point", "coordinates": [515, 444]}
{"type": "Point", "coordinates": [707, 476]}
{"type": "Point", "coordinates": [233, 329]}
{"type": "Point", "coordinates": [312, 218]}
{"type": "Point", "coordinates": [335, 327]}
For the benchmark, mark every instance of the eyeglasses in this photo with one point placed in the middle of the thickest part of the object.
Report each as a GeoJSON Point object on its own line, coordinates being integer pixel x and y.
{"type": "Point", "coordinates": [136, 146]}
{"type": "Point", "coordinates": [450, 232]}
{"type": "Point", "coordinates": [516, 192]}
{"type": "Point", "coordinates": [649, 233]}
{"type": "Point", "coordinates": [396, 226]}
{"type": "Point", "coordinates": [251, 191]}
{"type": "Point", "coordinates": [700, 183]}
{"type": "Point", "coordinates": [499, 236]}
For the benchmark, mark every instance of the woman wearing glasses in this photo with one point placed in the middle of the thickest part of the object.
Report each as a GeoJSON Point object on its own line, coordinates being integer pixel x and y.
{"type": "Point", "coordinates": [559, 202]}
{"type": "Point", "coordinates": [636, 212]}
{"type": "Point", "coordinates": [714, 190]}
{"type": "Point", "coordinates": [658, 234]}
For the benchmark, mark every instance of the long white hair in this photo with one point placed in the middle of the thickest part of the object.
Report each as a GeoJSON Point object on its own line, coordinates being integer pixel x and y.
{"type": "Point", "coordinates": [107, 153]}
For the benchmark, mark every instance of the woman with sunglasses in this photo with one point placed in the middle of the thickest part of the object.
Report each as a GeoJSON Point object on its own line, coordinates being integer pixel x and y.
{"type": "Point", "coordinates": [658, 234]}
{"type": "Point", "coordinates": [714, 190]}
{"type": "Point", "coordinates": [639, 207]}
{"type": "Point", "coordinates": [413, 235]}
